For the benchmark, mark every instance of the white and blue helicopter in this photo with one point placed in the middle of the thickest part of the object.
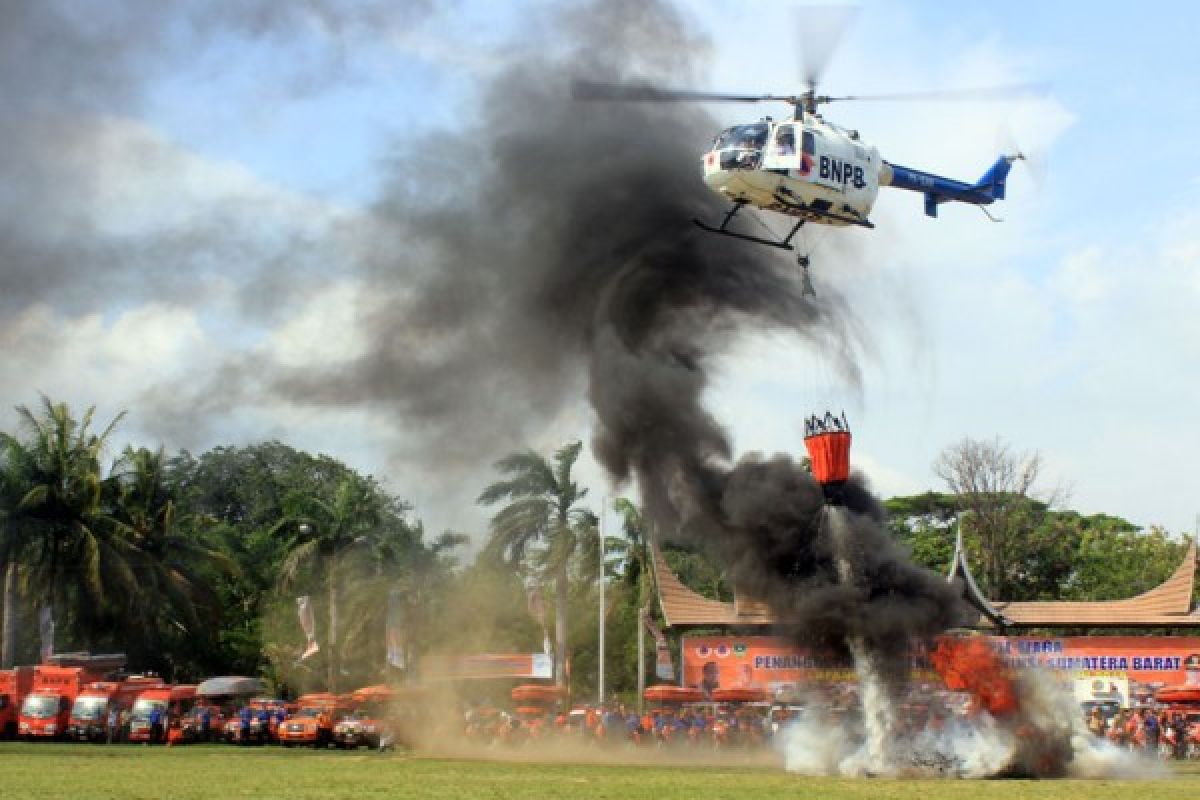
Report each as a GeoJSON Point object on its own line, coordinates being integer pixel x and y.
{"type": "Point", "coordinates": [808, 168]}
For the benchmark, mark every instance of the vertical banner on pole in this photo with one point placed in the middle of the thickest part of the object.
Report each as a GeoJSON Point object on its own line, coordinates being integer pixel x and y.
{"type": "Point", "coordinates": [664, 668]}
{"type": "Point", "coordinates": [395, 630]}
{"type": "Point", "coordinates": [308, 624]}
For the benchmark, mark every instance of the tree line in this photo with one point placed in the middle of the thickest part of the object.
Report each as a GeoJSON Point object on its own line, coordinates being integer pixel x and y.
{"type": "Point", "coordinates": [192, 564]}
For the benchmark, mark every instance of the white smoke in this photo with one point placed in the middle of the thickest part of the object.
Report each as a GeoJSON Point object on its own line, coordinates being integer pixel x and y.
{"type": "Point", "coordinates": [879, 716]}
{"type": "Point", "coordinates": [1048, 738]}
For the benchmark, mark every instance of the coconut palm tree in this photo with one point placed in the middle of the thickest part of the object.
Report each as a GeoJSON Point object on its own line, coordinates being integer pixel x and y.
{"type": "Point", "coordinates": [634, 548]}
{"type": "Point", "coordinates": [172, 561]}
{"type": "Point", "coordinates": [76, 556]}
{"type": "Point", "coordinates": [13, 485]}
{"type": "Point", "coordinates": [323, 531]}
{"type": "Point", "coordinates": [541, 525]}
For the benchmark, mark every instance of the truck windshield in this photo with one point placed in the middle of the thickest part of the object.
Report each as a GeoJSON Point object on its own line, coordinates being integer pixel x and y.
{"type": "Point", "coordinates": [310, 712]}
{"type": "Point", "coordinates": [40, 706]}
{"type": "Point", "coordinates": [89, 707]}
{"type": "Point", "coordinates": [145, 706]}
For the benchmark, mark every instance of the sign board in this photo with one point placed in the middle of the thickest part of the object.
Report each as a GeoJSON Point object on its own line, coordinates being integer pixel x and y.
{"type": "Point", "coordinates": [777, 664]}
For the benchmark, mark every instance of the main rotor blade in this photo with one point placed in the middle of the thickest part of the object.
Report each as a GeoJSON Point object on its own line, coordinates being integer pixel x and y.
{"type": "Point", "coordinates": [819, 31]}
{"type": "Point", "coordinates": [596, 90]}
{"type": "Point", "coordinates": [954, 95]}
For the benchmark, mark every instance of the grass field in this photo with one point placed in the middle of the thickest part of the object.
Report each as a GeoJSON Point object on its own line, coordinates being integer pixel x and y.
{"type": "Point", "coordinates": [85, 772]}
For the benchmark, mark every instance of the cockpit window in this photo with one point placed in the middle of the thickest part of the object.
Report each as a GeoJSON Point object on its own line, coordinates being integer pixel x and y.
{"type": "Point", "coordinates": [744, 137]}
{"type": "Point", "coordinates": [810, 145]}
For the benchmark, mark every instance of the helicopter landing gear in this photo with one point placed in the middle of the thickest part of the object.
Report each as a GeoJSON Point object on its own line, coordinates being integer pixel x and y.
{"type": "Point", "coordinates": [807, 289]}
{"type": "Point", "coordinates": [783, 244]}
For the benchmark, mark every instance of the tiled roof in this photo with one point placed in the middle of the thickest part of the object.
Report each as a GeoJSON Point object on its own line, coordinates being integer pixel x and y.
{"type": "Point", "coordinates": [1166, 605]}
{"type": "Point", "coordinates": [682, 607]}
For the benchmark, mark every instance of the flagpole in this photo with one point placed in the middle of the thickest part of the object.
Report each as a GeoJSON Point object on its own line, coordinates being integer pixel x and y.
{"type": "Point", "coordinates": [600, 679]}
{"type": "Point", "coordinates": [641, 670]}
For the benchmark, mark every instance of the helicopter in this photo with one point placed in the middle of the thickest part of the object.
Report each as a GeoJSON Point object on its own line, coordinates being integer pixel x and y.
{"type": "Point", "coordinates": [806, 167]}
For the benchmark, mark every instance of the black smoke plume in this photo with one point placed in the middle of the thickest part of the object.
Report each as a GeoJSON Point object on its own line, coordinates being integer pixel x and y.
{"type": "Point", "coordinates": [540, 249]}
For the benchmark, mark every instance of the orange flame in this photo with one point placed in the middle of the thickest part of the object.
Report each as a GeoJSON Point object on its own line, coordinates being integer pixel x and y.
{"type": "Point", "coordinates": [971, 665]}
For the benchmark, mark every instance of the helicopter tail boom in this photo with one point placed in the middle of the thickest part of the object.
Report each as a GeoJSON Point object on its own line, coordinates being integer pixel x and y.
{"type": "Point", "coordinates": [937, 189]}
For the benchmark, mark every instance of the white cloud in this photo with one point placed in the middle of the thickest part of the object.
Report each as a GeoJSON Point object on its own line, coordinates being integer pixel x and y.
{"type": "Point", "coordinates": [323, 331]}
{"type": "Point", "coordinates": [92, 360]}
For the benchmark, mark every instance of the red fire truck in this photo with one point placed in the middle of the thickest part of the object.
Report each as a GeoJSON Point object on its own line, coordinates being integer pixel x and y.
{"type": "Point", "coordinates": [47, 708]}
{"type": "Point", "coordinates": [15, 684]}
{"type": "Point", "coordinates": [163, 705]}
{"type": "Point", "coordinates": [89, 715]}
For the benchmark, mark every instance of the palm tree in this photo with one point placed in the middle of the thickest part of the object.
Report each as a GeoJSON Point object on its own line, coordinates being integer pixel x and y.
{"type": "Point", "coordinates": [324, 530]}
{"type": "Point", "coordinates": [73, 551]}
{"type": "Point", "coordinates": [170, 558]}
{"type": "Point", "coordinates": [13, 485]}
{"type": "Point", "coordinates": [634, 549]}
{"type": "Point", "coordinates": [542, 523]}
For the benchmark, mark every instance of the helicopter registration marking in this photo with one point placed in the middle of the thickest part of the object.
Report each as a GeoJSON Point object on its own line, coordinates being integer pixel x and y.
{"type": "Point", "coordinates": [839, 171]}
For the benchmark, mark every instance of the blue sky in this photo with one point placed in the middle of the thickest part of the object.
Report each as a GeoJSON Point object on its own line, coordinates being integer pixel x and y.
{"type": "Point", "coordinates": [1069, 329]}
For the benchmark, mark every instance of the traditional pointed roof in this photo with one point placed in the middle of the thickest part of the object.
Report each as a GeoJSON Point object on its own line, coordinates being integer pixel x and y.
{"type": "Point", "coordinates": [959, 570]}
{"type": "Point", "coordinates": [1167, 605]}
{"type": "Point", "coordinates": [682, 607]}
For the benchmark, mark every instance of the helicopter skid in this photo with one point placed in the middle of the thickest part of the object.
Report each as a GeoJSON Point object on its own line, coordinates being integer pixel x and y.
{"type": "Point", "coordinates": [782, 244]}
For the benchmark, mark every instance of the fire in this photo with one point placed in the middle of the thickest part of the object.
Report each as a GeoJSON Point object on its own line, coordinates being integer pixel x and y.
{"type": "Point", "coordinates": [971, 665]}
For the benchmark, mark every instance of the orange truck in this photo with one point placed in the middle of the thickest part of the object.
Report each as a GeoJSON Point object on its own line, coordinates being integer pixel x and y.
{"type": "Point", "coordinates": [15, 684]}
{"type": "Point", "coordinates": [156, 708]}
{"type": "Point", "coordinates": [89, 714]}
{"type": "Point", "coordinates": [47, 708]}
{"type": "Point", "coordinates": [368, 719]}
{"type": "Point", "coordinates": [314, 720]}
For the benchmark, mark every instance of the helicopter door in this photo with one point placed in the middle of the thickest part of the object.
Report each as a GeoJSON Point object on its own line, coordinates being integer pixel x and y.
{"type": "Point", "coordinates": [783, 155]}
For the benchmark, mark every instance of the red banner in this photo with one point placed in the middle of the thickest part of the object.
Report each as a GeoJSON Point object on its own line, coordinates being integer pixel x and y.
{"type": "Point", "coordinates": [776, 664]}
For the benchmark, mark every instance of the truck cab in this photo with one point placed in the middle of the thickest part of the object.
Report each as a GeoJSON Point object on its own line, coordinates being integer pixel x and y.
{"type": "Point", "coordinates": [313, 722]}
{"type": "Point", "coordinates": [44, 714]}
{"type": "Point", "coordinates": [89, 714]}
{"type": "Point", "coordinates": [154, 710]}
{"type": "Point", "coordinates": [47, 708]}
{"type": "Point", "coordinates": [15, 684]}
{"type": "Point", "coordinates": [368, 718]}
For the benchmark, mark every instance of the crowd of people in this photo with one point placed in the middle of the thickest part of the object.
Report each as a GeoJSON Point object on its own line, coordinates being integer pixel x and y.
{"type": "Point", "coordinates": [698, 725]}
{"type": "Point", "coordinates": [1166, 732]}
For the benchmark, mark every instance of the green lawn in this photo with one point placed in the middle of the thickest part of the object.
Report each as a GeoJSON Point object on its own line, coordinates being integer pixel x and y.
{"type": "Point", "coordinates": [84, 772]}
